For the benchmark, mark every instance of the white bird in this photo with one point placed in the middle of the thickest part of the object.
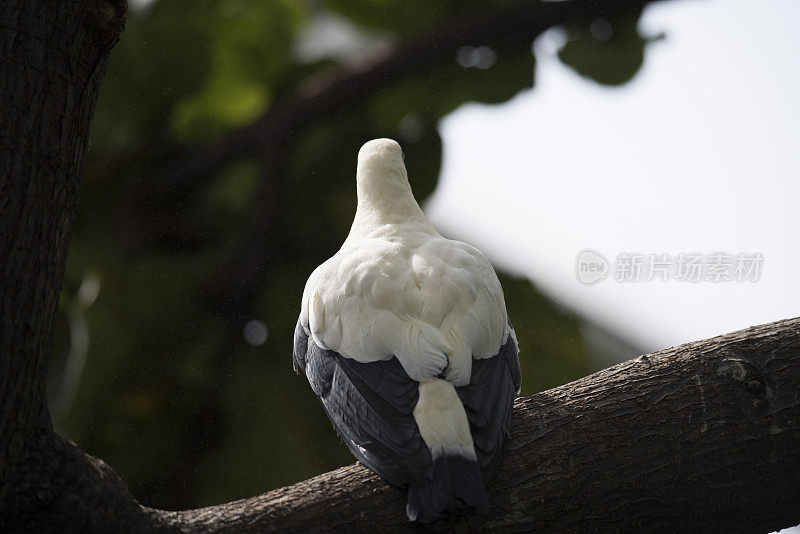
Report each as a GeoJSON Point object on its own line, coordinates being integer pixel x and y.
{"type": "Point", "coordinates": [403, 334]}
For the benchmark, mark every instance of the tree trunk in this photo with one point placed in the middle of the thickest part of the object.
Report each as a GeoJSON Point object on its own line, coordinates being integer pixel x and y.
{"type": "Point", "coordinates": [53, 56]}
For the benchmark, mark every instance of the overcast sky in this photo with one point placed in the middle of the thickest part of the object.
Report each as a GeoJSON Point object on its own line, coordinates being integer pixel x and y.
{"type": "Point", "coordinates": [696, 155]}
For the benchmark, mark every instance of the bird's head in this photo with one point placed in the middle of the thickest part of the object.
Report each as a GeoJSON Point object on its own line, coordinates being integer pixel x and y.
{"type": "Point", "coordinates": [380, 160]}
{"type": "Point", "coordinates": [384, 194]}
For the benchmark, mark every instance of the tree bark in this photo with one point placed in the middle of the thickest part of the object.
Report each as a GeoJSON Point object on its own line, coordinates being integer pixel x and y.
{"type": "Point", "coordinates": [53, 56]}
{"type": "Point", "coordinates": [703, 436]}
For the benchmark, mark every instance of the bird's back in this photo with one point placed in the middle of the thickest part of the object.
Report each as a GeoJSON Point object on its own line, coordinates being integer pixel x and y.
{"type": "Point", "coordinates": [411, 294]}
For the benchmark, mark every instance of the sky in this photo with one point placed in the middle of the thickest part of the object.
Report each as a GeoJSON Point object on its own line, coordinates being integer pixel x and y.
{"type": "Point", "coordinates": [697, 158]}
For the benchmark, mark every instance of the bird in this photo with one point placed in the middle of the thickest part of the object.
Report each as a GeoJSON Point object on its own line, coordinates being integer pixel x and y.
{"type": "Point", "coordinates": [404, 336]}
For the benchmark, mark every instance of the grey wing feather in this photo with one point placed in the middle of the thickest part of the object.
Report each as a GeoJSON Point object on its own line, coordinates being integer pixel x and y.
{"type": "Point", "coordinates": [489, 402]}
{"type": "Point", "coordinates": [300, 348]}
{"type": "Point", "coordinates": [370, 405]}
{"type": "Point", "coordinates": [510, 352]}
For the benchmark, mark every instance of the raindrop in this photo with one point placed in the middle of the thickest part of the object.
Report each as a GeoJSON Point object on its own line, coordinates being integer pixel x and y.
{"type": "Point", "coordinates": [481, 57]}
{"type": "Point", "coordinates": [484, 57]}
{"type": "Point", "coordinates": [410, 128]}
{"type": "Point", "coordinates": [89, 289]}
{"type": "Point", "coordinates": [464, 57]}
{"type": "Point", "coordinates": [601, 29]}
{"type": "Point", "coordinates": [255, 332]}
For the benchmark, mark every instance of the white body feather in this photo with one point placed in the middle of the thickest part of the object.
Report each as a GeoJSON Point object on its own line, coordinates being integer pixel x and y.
{"type": "Point", "coordinates": [398, 288]}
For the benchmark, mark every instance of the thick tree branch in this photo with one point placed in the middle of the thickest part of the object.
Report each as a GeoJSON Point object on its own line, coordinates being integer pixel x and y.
{"type": "Point", "coordinates": [704, 436]}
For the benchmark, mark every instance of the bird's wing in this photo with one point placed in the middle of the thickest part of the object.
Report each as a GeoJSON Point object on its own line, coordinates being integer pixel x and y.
{"type": "Point", "coordinates": [371, 406]}
{"type": "Point", "coordinates": [474, 318]}
{"type": "Point", "coordinates": [489, 401]}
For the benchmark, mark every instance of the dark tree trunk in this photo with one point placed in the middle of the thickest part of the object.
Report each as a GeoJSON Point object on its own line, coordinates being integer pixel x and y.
{"type": "Point", "coordinates": [53, 56]}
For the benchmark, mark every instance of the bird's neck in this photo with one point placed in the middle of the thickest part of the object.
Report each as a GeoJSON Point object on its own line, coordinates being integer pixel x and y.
{"type": "Point", "coordinates": [385, 199]}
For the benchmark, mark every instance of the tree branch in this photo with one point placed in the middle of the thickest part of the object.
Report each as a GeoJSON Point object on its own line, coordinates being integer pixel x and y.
{"type": "Point", "coordinates": [511, 28]}
{"type": "Point", "coordinates": [704, 436]}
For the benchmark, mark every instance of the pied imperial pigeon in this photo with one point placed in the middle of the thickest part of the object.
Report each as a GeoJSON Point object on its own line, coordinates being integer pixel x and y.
{"type": "Point", "coordinates": [403, 335]}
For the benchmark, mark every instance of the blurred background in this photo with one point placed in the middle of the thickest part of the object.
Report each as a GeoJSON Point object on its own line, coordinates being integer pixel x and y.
{"type": "Point", "coordinates": [221, 172]}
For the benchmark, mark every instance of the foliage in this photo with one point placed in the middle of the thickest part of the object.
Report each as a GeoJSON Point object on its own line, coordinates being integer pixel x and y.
{"type": "Point", "coordinates": [608, 52]}
{"type": "Point", "coordinates": [159, 344]}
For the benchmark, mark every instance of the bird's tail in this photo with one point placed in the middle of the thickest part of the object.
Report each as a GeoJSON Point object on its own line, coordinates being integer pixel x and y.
{"type": "Point", "coordinates": [456, 489]}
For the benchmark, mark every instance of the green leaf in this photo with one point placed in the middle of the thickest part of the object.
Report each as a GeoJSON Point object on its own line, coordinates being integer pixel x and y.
{"type": "Point", "coordinates": [436, 94]}
{"type": "Point", "coordinates": [609, 52]}
{"type": "Point", "coordinates": [251, 45]}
